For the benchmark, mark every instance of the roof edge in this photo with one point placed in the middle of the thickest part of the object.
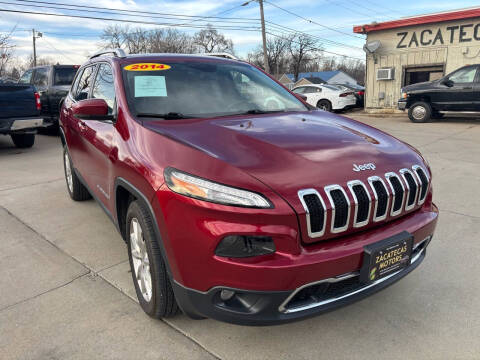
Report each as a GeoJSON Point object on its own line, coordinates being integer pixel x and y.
{"type": "Point", "coordinates": [419, 20]}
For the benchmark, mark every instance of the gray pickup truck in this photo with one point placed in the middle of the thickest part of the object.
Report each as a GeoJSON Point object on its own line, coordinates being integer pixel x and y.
{"type": "Point", "coordinates": [20, 113]}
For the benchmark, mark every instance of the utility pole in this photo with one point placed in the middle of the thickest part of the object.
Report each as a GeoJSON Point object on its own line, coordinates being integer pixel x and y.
{"type": "Point", "coordinates": [264, 36]}
{"type": "Point", "coordinates": [264, 39]}
{"type": "Point", "coordinates": [34, 37]}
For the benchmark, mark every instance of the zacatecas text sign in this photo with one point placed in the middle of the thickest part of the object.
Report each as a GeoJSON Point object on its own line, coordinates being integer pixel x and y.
{"type": "Point", "coordinates": [430, 37]}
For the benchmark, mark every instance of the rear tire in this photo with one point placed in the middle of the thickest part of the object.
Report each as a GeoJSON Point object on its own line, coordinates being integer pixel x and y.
{"type": "Point", "coordinates": [23, 141]}
{"type": "Point", "coordinates": [420, 112]}
{"type": "Point", "coordinates": [149, 273]}
{"type": "Point", "coordinates": [324, 105]}
{"type": "Point", "coordinates": [75, 188]}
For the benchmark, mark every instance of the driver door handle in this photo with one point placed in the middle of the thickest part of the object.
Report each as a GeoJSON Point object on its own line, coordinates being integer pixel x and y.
{"type": "Point", "coordinates": [467, 88]}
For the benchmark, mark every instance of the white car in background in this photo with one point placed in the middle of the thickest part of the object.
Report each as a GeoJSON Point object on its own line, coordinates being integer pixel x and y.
{"type": "Point", "coordinates": [327, 97]}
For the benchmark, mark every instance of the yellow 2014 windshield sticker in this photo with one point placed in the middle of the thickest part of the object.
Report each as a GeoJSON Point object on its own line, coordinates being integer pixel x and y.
{"type": "Point", "coordinates": [147, 67]}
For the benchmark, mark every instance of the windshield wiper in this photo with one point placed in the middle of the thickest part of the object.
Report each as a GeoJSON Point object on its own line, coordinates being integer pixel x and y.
{"type": "Point", "coordinates": [166, 116]}
{"type": "Point", "coordinates": [258, 111]}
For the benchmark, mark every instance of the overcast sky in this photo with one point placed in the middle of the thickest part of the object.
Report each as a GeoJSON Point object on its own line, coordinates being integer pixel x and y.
{"type": "Point", "coordinates": [70, 39]}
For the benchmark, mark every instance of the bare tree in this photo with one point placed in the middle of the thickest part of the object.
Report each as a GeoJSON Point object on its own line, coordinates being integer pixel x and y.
{"type": "Point", "coordinates": [210, 40]}
{"type": "Point", "coordinates": [276, 54]}
{"type": "Point", "coordinates": [148, 41]}
{"type": "Point", "coordinates": [113, 36]}
{"type": "Point", "coordinates": [303, 50]}
{"type": "Point", "coordinates": [171, 41]}
{"type": "Point", "coordinates": [6, 52]}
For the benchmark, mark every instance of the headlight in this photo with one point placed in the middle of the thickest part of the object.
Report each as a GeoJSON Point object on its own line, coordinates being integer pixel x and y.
{"type": "Point", "coordinates": [198, 188]}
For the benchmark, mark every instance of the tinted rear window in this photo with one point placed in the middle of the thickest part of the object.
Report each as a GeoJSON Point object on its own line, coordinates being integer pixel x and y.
{"type": "Point", "coordinates": [64, 76]}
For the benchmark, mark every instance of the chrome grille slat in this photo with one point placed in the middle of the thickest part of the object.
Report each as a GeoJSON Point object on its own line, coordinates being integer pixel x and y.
{"type": "Point", "coordinates": [417, 169]}
{"type": "Point", "coordinates": [301, 195]}
{"type": "Point", "coordinates": [408, 191]}
{"type": "Point", "coordinates": [393, 179]}
{"type": "Point", "coordinates": [412, 188]}
{"type": "Point", "coordinates": [328, 190]}
{"type": "Point", "coordinates": [372, 180]}
{"type": "Point", "coordinates": [351, 185]}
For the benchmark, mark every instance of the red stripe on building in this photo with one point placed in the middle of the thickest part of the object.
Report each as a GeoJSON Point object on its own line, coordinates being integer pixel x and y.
{"type": "Point", "coordinates": [418, 20]}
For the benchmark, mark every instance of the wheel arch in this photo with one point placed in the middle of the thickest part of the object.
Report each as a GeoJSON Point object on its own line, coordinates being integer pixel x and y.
{"type": "Point", "coordinates": [125, 192]}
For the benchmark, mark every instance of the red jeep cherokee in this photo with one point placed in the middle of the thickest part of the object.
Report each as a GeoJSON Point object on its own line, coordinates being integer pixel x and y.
{"type": "Point", "coordinates": [237, 200]}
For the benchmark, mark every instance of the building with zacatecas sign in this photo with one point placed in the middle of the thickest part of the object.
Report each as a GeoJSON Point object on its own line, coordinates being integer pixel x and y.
{"type": "Point", "coordinates": [416, 49]}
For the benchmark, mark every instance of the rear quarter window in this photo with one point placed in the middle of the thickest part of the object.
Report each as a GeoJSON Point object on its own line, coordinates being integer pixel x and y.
{"type": "Point", "coordinates": [64, 76]}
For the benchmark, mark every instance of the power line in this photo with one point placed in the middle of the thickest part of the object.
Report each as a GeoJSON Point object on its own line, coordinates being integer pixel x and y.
{"type": "Point", "coordinates": [279, 27]}
{"type": "Point", "coordinates": [122, 14]}
{"type": "Point", "coordinates": [224, 27]}
{"type": "Point", "coordinates": [136, 11]}
{"type": "Point", "coordinates": [311, 21]}
{"type": "Point", "coordinates": [61, 52]}
{"type": "Point", "coordinates": [318, 49]}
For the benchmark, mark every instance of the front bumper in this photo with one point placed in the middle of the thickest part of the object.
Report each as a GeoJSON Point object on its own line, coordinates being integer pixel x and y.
{"type": "Point", "coordinates": [277, 307]}
{"type": "Point", "coordinates": [402, 104]}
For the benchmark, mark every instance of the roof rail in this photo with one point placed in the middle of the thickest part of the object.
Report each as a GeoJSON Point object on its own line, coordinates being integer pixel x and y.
{"type": "Point", "coordinates": [222, 55]}
{"type": "Point", "coordinates": [116, 52]}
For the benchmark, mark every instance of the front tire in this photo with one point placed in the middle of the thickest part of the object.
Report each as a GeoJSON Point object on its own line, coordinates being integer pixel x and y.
{"type": "Point", "coordinates": [420, 112]}
{"type": "Point", "coordinates": [75, 188]}
{"type": "Point", "coordinates": [324, 105]}
{"type": "Point", "coordinates": [149, 273]}
{"type": "Point", "coordinates": [23, 141]}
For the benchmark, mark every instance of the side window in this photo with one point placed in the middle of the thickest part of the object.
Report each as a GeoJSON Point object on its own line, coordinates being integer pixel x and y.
{"type": "Point", "coordinates": [466, 75]}
{"type": "Point", "coordinates": [103, 87]}
{"type": "Point", "coordinates": [26, 77]}
{"type": "Point", "coordinates": [300, 90]}
{"type": "Point", "coordinates": [83, 88]}
{"type": "Point", "coordinates": [74, 87]}
{"type": "Point", "coordinates": [311, 90]}
{"type": "Point", "coordinates": [40, 78]}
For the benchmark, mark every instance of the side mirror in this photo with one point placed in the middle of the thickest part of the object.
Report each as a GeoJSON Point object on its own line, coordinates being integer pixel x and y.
{"type": "Point", "coordinates": [448, 82]}
{"type": "Point", "coordinates": [91, 109]}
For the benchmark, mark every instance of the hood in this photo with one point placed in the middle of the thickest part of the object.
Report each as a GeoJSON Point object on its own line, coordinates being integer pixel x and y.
{"type": "Point", "coordinates": [427, 85]}
{"type": "Point", "coordinates": [293, 151]}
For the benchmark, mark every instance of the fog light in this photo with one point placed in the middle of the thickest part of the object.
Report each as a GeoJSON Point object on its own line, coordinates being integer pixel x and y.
{"type": "Point", "coordinates": [239, 246]}
{"type": "Point", "coordinates": [226, 294]}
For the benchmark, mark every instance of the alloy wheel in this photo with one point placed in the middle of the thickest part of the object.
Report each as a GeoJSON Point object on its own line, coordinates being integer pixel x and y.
{"type": "Point", "coordinates": [140, 260]}
{"type": "Point", "coordinates": [68, 172]}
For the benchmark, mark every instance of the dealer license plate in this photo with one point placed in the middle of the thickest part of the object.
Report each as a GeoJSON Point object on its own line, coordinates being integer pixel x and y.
{"type": "Point", "coordinates": [386, 257]}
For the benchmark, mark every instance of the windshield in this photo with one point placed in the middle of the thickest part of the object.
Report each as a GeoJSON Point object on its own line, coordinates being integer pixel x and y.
{"type": "Point", "coordinates": [203, 89]}
{"type": "Point", "coordinates": [64, 75]}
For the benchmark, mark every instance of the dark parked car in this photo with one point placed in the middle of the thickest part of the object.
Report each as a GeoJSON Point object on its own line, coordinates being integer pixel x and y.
{"type": "Point", "coordinates": [20, 113]}
{"type": "Point", "coordinates": [236, 200]}
{"type": "Point", "coordinates": [52, 83]}
{"type": "Point", "coordinates": [459, 91]}
{"type": "Point", "coordinates": [358, 90]}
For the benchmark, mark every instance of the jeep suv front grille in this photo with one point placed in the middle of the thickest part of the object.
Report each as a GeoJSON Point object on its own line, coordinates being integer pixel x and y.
{"type": "Point", "coordinates": [388, 196]}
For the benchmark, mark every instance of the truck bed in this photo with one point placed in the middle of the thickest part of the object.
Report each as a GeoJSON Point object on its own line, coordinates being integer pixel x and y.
{"type": "Point", "coordinates": [17, 101]}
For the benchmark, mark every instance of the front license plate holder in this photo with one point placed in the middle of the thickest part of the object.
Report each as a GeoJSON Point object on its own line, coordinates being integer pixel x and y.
{"type": "Point", "coordinates": [386, 257]}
